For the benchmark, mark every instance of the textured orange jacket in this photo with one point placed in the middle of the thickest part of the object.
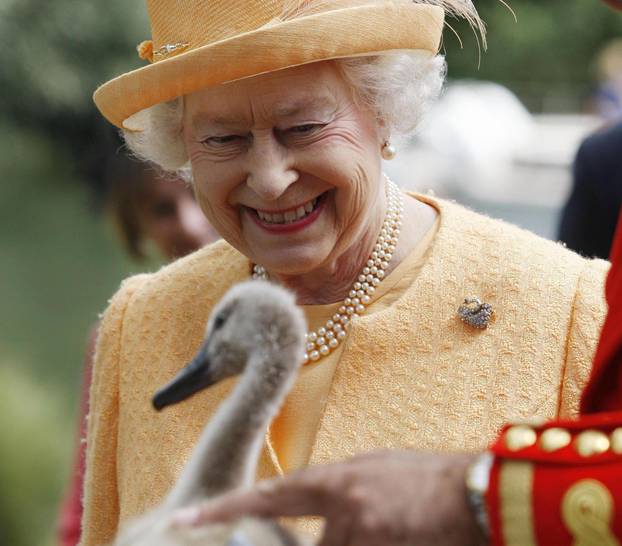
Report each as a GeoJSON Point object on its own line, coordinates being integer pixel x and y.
{"type": "Point", "coordinates": [411, 376]}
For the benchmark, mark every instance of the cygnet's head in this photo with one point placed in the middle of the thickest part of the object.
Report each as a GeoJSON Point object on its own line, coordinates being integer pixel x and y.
{"type": "Point", "coordinates": [253, 318]}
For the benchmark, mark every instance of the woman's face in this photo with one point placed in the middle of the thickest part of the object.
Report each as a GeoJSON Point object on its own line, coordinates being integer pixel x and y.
{"type": "Point", "coordinates": [170, 217]}
{"type": "Point", "coordinates": [286, 166]}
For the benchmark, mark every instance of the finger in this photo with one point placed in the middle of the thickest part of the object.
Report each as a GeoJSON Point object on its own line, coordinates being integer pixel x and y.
{"type": "Point", "coordinates": [235, 505]}
{"type": "Point", "coordinates": [296, 495]}
{"type": "Point", "coordinates": [337, 532]}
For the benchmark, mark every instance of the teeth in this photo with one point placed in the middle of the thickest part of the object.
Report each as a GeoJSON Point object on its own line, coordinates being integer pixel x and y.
{"type": "Point", "coordinates": [288, 216]}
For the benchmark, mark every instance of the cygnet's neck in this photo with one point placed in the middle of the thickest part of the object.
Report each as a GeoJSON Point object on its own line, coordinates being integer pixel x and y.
{"type": "Point", "coordinates": [228, 450]}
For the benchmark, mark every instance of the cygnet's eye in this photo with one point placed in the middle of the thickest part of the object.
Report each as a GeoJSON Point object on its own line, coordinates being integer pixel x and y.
{"type": "Point", "coordinates": [219, 321]}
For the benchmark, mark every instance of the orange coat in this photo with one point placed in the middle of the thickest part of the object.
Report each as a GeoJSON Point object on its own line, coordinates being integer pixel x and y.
{"type": "Point", "coordinates": [411, 376]}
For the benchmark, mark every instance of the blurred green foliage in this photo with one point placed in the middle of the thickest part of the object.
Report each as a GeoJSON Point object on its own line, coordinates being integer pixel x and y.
{"type": "Point", "coordinates": [34, 447]}
{"type": "Point", "coordinates": [58, 268]}
{"type": "Point", "coordinates": [58, 262]}
{"type": "Point", "coordinates": [545, 56]}
{"type": "Point", "coordinates": [56, 53]}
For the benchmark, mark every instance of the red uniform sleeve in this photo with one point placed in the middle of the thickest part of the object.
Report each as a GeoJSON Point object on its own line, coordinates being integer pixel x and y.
{"type": "Point", "coordinates": [558, 484]}
{"type": "Point", "coordinates": [604, 390]}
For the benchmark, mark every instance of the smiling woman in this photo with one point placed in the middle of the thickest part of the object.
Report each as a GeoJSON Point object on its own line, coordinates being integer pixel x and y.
{"type": "Point", "coordinates": [298, 138]}
{"type": "Point", "coordinates": [280, 114]}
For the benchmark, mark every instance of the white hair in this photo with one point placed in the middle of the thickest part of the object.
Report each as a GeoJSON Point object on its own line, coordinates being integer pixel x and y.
{"type": "Point", "coordinates": [397, 87]}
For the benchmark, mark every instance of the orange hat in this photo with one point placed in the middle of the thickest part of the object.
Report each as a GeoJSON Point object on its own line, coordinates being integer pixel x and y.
{"type": "Point", "coordinates": [201, 43]}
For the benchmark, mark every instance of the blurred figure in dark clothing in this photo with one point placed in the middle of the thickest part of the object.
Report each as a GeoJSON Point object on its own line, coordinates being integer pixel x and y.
{"type": "Point", "coordinates": [590, 216]}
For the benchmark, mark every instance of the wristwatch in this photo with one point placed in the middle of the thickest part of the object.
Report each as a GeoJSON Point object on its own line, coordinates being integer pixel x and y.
{"type": "Point", "coordinates": [477, 479]}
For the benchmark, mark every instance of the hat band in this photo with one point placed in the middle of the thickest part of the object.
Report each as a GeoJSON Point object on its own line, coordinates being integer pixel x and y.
{"type": "Point", "coordinates": [166, 44]}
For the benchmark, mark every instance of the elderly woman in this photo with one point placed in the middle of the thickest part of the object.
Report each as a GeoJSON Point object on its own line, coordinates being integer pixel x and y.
{"type": "Point", "coordinates": [281, 113]}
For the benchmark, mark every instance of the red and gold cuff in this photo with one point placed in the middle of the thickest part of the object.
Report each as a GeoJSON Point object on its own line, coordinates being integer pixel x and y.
{"type": "Point", "coordinates": [558, 484]}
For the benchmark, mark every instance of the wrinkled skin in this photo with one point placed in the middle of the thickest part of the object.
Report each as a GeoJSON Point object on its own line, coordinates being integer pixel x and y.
{"type": "Point", "coordinates": [280, 140]}
{"type": "Point", "coordinates": [389, 498]}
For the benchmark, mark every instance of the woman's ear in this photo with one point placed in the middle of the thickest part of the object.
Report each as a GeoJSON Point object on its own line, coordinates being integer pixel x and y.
{"type": "Point", "coordinates": [384, 133]}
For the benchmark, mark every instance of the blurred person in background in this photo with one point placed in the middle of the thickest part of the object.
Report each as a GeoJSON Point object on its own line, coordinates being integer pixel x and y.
{"type": "Point", "coordinates": [589, 218]}
{"type": "Point", "coordinates": [153, 214]}
{"type": "Point", "coordinates": [154, 211]}
{"type": "Point", "coordinates": [606, 101]}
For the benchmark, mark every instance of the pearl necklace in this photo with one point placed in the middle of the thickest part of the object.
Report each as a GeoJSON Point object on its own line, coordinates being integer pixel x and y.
{"type": "Point", "coordinates": [322, 341]}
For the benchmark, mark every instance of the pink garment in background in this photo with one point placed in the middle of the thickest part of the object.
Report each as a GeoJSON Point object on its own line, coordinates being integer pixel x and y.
{"type": "Point", "coordinates": [71, 508]}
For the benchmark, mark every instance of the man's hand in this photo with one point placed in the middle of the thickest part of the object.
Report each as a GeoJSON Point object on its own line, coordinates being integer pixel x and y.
{"type": "Point", "coordinates": [387, 498]}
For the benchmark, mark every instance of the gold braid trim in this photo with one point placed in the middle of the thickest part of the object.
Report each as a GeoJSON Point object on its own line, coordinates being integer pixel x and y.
{"type": "Point", "coordinates": [515, 494]}
{"type": "Point", "coordinates": [587, 509]}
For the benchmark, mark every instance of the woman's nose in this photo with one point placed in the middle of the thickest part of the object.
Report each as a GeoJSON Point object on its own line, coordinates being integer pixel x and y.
{"type": "Point", "coordinates": [270, 167]}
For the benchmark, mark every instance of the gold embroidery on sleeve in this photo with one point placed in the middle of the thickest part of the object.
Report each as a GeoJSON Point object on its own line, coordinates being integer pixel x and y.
{"type": "Point", "coordinates": [587, 509]}
{"type": "Point", "coordinates": [515, 492]}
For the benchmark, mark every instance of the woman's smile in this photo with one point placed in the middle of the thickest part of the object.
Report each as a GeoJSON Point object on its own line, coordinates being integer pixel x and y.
{"type": "Point", "coordinates": [288, 220]}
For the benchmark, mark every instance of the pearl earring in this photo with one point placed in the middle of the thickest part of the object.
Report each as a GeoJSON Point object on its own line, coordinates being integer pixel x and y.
{"type": "Point", "coordinates": [388, 151]}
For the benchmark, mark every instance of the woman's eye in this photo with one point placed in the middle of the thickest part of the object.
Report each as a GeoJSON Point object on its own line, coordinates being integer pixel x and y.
{"type": "Point", "coordinates": [221, 139]}
{"type": "Point", "coordinates": [305, 128]}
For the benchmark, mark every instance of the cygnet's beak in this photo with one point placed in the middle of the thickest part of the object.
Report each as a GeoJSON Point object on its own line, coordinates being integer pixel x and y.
{"type": "Point", "coordinates": [190, 380]}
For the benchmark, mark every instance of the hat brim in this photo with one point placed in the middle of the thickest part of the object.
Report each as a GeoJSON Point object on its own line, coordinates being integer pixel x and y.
{"type": "Point", "coordinates": [348, 32]}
